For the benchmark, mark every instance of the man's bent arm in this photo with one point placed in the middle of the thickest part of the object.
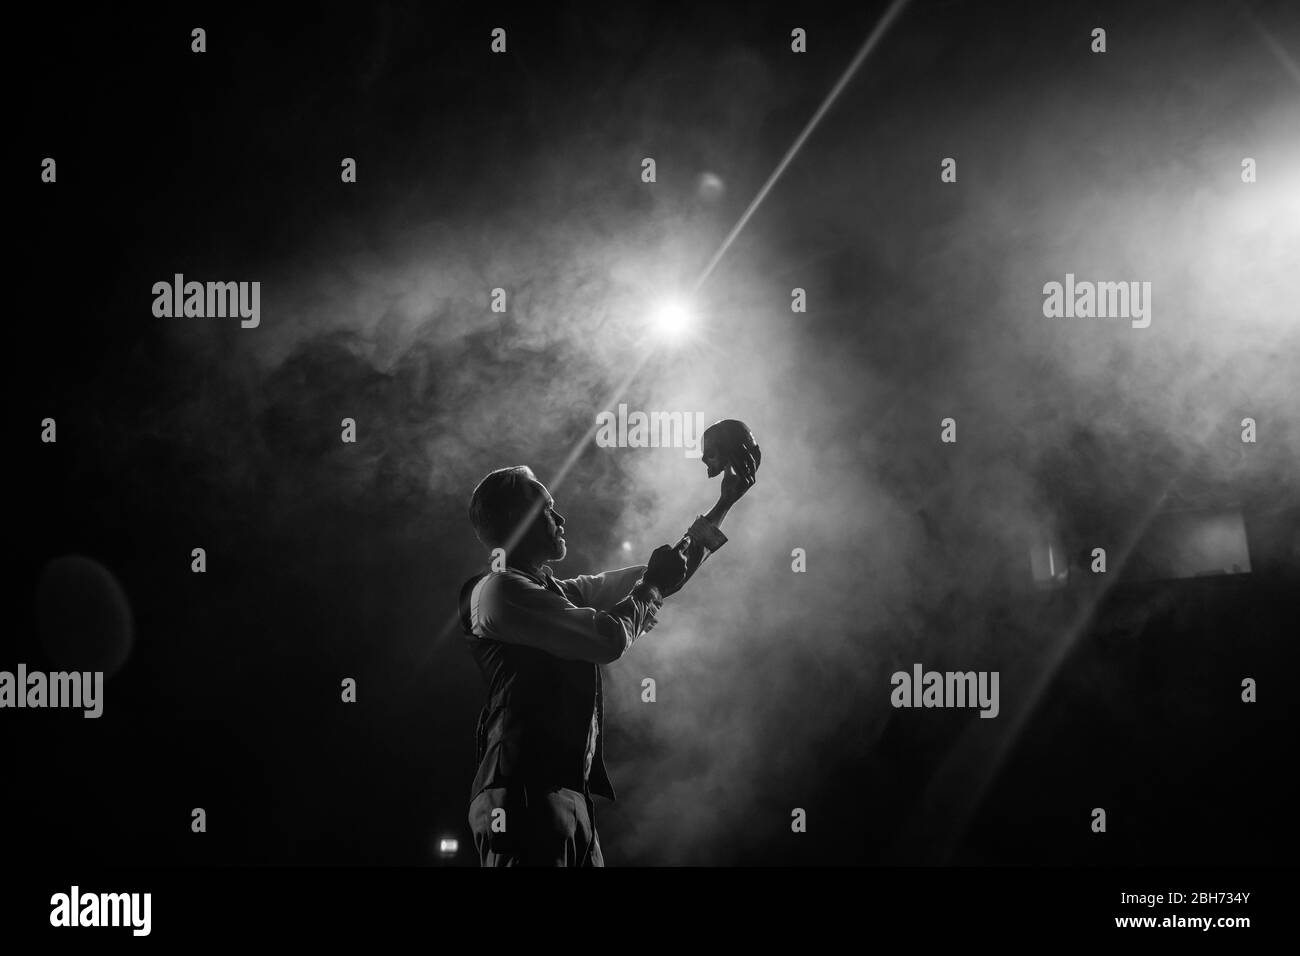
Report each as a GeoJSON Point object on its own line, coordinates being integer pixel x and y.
{"type": "Point", "coordinates": [515, 610]}
{"type": "Point", "coordinates": [602, 591]}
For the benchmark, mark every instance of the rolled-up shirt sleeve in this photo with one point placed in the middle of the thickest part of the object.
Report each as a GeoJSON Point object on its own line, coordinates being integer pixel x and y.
{"type": "Point", "coordinates": [514, 609]}
{"type": "Point", "coordinates": [704, 539]}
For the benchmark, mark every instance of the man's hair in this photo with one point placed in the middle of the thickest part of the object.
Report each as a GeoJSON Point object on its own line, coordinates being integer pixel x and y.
{"type": "Point", "coordinates": [502, 491]}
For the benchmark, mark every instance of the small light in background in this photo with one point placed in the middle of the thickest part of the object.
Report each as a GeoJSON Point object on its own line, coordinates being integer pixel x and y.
{"type": "Point", "coordinates": [1048, 563]}
{"type": "Point", "coordinates": [710, 187]}
{"type": "Point", "coordinates": [627, 545]}
{"type": "Point", "coordinates": [448, 847]}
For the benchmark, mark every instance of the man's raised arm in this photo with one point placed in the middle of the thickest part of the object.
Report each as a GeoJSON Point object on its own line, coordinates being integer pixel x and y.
{"type": "Point", "coordinates": [705, 536]}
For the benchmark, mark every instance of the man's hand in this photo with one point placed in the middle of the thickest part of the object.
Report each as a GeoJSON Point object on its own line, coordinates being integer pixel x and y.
{"type": "Point", "coordinates": [740, 476]}
{"type": "Point", "coordinates": [666, 569]}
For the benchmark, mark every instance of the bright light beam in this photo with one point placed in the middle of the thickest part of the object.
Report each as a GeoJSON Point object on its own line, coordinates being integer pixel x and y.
{"type": "Point", "coordinates": [959, 787]}
{"type": "Point", "coordinates": [1279, 52]}
{"type": "Point", "coordinates": [868, 45]}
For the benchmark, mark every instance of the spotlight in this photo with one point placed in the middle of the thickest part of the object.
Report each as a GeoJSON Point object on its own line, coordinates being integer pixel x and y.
{"type": "Point", "coordinates": [448, 847]}
{"type": "Point", "coordinates": [672, 318]}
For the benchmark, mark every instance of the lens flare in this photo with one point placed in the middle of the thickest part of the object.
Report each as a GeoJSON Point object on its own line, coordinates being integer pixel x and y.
{"type": "Point", "coordinates": [672, 319]}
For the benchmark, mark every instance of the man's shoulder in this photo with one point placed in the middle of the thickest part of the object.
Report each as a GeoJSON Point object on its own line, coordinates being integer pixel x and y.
{"type": "Point", "coordinates": [490, 584]}
{"type": "Point", "coordinates": [483, 597]}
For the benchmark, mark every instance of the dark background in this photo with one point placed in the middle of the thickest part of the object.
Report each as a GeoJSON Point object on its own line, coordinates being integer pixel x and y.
{"type": "Point", "coordinates": [328, 561]}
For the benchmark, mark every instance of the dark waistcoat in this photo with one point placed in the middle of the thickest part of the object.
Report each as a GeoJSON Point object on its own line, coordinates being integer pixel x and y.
{"type": "Point", "coordinates": [533, 730]}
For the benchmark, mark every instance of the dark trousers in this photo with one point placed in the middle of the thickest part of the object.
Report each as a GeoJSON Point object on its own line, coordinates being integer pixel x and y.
{"type": "Point", "coordinates": [535, 826]}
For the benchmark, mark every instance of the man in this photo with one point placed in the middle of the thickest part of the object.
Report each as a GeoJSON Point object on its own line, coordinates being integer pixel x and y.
{"type": "Point", "coordinates": [539, 643]}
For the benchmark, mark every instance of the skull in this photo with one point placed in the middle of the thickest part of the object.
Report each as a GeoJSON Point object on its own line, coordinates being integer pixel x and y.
{"type": "Point", "coordinates": [723, 441]}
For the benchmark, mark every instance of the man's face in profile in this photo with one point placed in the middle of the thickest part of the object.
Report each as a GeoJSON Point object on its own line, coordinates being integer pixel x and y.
{"type": "Point", "coordinates": [545, 536]}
